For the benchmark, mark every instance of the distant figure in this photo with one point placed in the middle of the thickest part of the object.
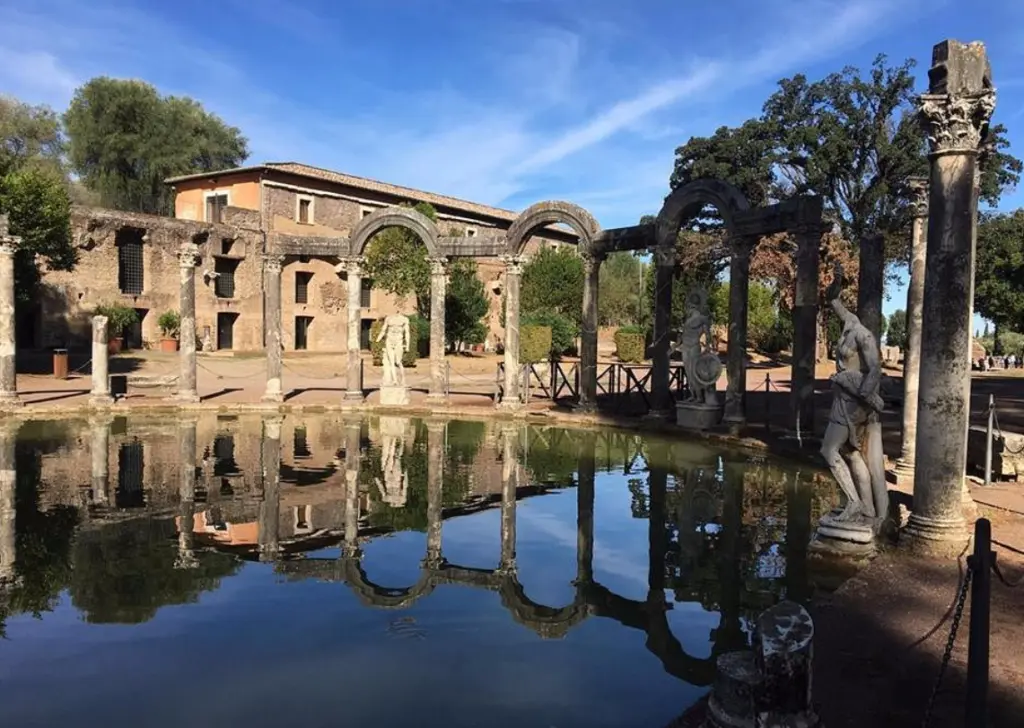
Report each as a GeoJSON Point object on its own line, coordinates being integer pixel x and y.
{"type": "Point", "coordinates": [395, 333]}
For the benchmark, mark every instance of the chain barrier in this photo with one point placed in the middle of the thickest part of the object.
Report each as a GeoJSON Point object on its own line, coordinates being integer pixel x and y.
{"type": "Point", "coordinates": [958, 612]}
{"type": "Point", "coordinates": [999, 431]}
{"type": "Point", "coordinates": [999, 575]}
{"type": "Point", "coordinates": [336, 375]}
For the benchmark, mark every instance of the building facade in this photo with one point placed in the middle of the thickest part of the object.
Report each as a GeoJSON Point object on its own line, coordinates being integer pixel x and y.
{"type": "Point", "coordinates": [132, 259]}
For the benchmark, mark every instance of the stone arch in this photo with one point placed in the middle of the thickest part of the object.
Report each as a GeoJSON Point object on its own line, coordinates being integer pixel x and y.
{"type": "Point", "coordinates": [382, 597]}
{"type": "Point", "coordinates": [405, 217]}
{"type": "Point", "coordinates": [548, 622]}
{"type": "Point", "coordinates": [686, 202]}
{"type": "Point", "coordinates": [549, 213]}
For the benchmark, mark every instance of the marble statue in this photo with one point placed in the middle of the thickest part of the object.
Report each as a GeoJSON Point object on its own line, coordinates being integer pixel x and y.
{"type": "Point", "coordinates": [394, 490]}
{"type": "Point", "coordinates": [395, 333]}
{"type": "Point", "coordinates": [852, 444]}
{"type": "Point", "coordinates": [697, 347]}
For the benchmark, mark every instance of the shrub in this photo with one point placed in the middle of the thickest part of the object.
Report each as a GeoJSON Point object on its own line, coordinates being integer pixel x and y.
{"type": "Point", "coordinates": [534, 343]}
{"type": "Point", "coordinates": [563, 331]}
{"type": "Point", "coordinates": [377, 347]}
{"type": "Point", "coordinates": [419, 330]}
{"type": "Point", "coordinates": [630, 346]}
{"type": "Point", "coordinates": [170, 324]}
{"type": "Point", "coordinates": [119, 317]}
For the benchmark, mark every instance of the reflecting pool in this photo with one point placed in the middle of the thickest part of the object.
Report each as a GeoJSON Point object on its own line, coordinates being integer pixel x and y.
{"type": "Point", "coordinates": [330, 571]}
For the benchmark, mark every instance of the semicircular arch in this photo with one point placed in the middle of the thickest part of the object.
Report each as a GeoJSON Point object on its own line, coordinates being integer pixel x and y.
{"type": "Point", "coordinates": [548, 622]}
{"type": "Point", "coordinates": [404, 217]}
{"type": "Point", "coordinates": [685, 203]}
{"type": "Point", "coordinates": [551, 212]}
{"type": "Point", "coordinates": [383, 597]}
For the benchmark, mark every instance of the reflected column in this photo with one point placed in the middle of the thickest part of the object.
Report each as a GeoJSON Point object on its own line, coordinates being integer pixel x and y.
{"type": "Point", "coordinates": [657, 542]}
{"type": "Point", "coordinates": [435, 491]}
{"type": "Point", "coordinates": [270, 505]}
{"type": "Point", "coordinates": [8, 514]}
{"type": "Point", "coordinates": [798, 535]}
{"type": "Point", "coordinates": [186, 494]}
{"type": "Point", "coordinates": [509, 488]}
{"type": "Point", "coordinates": [353, 436]}
{"type": "Point", "coordinates": [585, 469]}
{"type": "Point", "coordinates": [729, 634]}
{"type": "Point", "coordinates": [99, 428]}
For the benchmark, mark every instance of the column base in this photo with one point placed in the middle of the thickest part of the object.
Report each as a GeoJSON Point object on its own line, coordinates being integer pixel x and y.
{"type": "Point", "coordinates": [904, 471]}
{"type": "Point", "coordinates": [510, 405]}
{"type": "Point", "coordinates": [272, 397]}
{"type": "Point", "coordinates": [101, 400]}
{"type": "Point", "coordinates": [10, 400]}
{"type": "Point", "coordinates": [352, 395]}
{"type": "Point", "coordinates": [187, 398]}
{"type": "Point", "coordinates": [938, 536]}
{"type": "Point", "coordinates": [585, 408]}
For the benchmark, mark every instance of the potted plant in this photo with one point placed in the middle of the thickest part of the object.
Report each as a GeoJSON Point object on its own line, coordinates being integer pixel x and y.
{"type": "Point", "coordinates": [170, 326]}
{"type": "Point", "coordinates": [119, 317]}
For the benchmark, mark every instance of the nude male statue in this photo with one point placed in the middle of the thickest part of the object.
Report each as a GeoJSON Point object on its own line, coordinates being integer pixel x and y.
{"type": "Point", "coordinates": [395, 333]}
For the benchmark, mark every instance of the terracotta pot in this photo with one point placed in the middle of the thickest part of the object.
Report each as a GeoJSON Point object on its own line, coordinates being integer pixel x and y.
{"type": "Point", "coordinates": [114, 346]}
{"type": "Point", "coordinates": [168, 344]}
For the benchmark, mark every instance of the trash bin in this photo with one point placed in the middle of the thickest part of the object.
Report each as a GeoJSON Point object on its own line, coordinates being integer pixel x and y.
{"type": "Point", "coordinates": [60, 363]}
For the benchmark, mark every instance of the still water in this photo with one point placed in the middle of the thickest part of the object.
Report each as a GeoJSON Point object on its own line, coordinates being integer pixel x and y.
{"type": "Point", "coordinates": [321, 571]}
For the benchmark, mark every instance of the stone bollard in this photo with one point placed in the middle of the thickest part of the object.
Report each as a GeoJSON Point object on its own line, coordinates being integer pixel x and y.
{"type": "Point", "coordinates": [100, 363]}
{"type": "Point", "coordinates": [769, 686]}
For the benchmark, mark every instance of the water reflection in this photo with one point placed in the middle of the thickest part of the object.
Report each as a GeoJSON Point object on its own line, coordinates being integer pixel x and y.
{"type": "Point", "coordinates": [195, 500]}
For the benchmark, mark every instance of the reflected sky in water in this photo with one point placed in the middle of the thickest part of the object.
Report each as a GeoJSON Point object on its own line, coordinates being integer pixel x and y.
{"type": "Point", "coordinates": [238, 571]}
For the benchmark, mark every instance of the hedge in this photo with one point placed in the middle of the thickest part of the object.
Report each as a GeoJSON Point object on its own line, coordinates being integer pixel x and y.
{"type": "Point", "coordinates": [377, 347]}
{"type": "Point", "coordinates": [630, 346]}
{"type": "Point", "coordinates": [563, 331]}
{"type": "Point", "coordinates": [534, 344]}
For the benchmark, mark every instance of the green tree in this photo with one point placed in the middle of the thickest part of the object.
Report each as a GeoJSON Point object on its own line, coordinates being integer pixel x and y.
{"type": "Point", "coordinates": [762, 312]}
{"type": "Point", "coordinates": [34, 192]}
{"type": "Point", "coordinates": [396, 261]}
{"type": "Point", "coordinates": [553, 283]}
{"type": "Point", "coordinates": [125, 139]}
{"type": "Point", "coordinates": [999, 270]}
{"type": "Point", "coordinates": [896, 335]}
{"type": "Point", "coordinates": [466, 304]}
{"type": "Point", "coordinates": [619, 290]}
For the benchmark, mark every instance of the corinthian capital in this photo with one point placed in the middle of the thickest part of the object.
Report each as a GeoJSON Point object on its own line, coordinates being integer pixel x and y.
{"type": "Point", "coordinates": [351, 265]}
{"type": "Point", "coordinates": [956, 123]}
{"type": "Point", "coordinates": [438, 266]}
{"type": "Point", "coordinates": [272, 262]}
{"type": "Point", "coordinates": [918, 196]}
{"type": "Point", "coordinates": [188, 255]}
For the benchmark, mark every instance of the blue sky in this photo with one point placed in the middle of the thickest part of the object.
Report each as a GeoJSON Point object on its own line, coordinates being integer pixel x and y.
{"type": "Point", "coordinates": [505, 102]}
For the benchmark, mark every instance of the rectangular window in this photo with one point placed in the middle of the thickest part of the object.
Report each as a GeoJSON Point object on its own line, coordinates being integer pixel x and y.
{"type": "Point", "coordinates": [302, 324]}
{"type": "Point", "coordinates": [365, 212]}
{"type": "Point", "coordinates": [470, 232]}
{"type": "Point", "coordinates": [215, 205]}
{"type": "Point", "coordinates": [301, 445]}
{"type": "Point", "coordinates": [302, 280]}
{"type": "Point", "coordinates": [130, 267]}
{"type": "Point", "coordinates": [224, 283]}
{"type": "Point", "coordinates": [304, 213]}
{"type": "Point", "coordinates": [225, 246]}
{"type": "Point", "coordinates": [364, 293]}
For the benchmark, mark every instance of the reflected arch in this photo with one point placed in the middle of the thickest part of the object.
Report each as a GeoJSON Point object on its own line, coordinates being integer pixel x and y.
{"type": "Point", "coordinates": [548, 622]}
{"type": "Point", "coordinates": [382, 597]}
{"type": "Point", "coordinates": [403, 217]}
{"type": "Point", "coordinates": [552, 212]}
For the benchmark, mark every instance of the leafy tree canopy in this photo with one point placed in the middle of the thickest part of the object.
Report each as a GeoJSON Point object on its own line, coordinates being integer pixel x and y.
{"type": "Point", "coordinates": [619, 297]}
{"type": "Point", "coordinates": [125, 139]}
{"type": "Point", "coordinates": [466, 305]}
{"type": "Point", "coordinates": [896, 335]}
{"type": "Point", "coordinates": [396, 261]}
{"type": "Point", "coordinates": [999, 271]}
{"type": "Point", "coordinates": [553, 283]}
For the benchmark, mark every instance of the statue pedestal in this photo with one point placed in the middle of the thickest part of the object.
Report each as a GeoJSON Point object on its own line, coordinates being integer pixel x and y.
{"type": "Point", "coordinates": [697, 415]}
{"type": "Point", "coordinates": [394, 395]}
{"type": "Point", "coordinates": [854, 539]}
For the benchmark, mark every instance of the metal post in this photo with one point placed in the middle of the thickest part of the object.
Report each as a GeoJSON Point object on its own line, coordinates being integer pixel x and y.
{"type": "Point", "coordinates": [980, 563]}
{"type": "Point", "coordinates": [768, 401]}
{"type": "Point", "coordinates": [988, 439]}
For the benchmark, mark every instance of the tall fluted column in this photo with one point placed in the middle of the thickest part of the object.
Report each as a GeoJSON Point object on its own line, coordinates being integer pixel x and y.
{"type": "Point", "coordinates": [353, 436]}
{"type": "Point", "coordinates": [435, 490]}
{"type": "Point", "coordinates": [438, 291]}
{"type": "Point", "coordinates": [188, 259]}
{"type": "Point", "coordinates": [353, 268]}
{"type": "Point", "coordinates": [272, 334]}
{"type": "Point", "coordinates": [509, 489]}
{"type": "Point", "coordinates": [8, 483]}
{"type": "Point", "coordinates": [186, 493]}
{"type": "Point", "coordinates": [805, 326]}
{"type": "Point", "coordinates": [915, 314]}
{"type": "Point", "coordinates": [736, 358]}
{"type": "Point", "coordinates": [8, 348]}
{"type": "Point", "coordinates": [99, 450]}
{"type": "Point", "coordinates": [955, 114]}
{"type": "Point", "coordinates": [664, 274]}
{"type": "Point", "coordinates": [100, 394]}
{"type": "Point", "coordinates": [513, 276]}
{"type": "Point", "coordinates": [586, 470]}
{"type": "Point", "coordinates": [588, 334]}
{"type": "Point", "coordinates": [270, 505]}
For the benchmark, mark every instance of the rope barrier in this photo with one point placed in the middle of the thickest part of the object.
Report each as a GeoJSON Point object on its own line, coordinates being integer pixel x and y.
{"type": "Point", "coordinates": [998, 429]}
{"type": "Point", "coordinates": [261, 370]}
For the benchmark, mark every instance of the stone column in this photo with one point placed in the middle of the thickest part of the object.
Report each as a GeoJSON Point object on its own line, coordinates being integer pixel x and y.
{"type": "Point", "coordinates": [513, 274]}
{"type": "Point", "coordinates": [270, 505]}
{"type": "Point", "coordinates": [664, 274]}
{"type": "Point", "coordinates": [186, 494]}
{"type": "Point", "coordinates": [100, 394]}
{"type": "Point", "coordinates": [955, 114]}
{"type": "Point", "coordinates": [435, 491]}
{"type": "Point", "coordinates": [272, 328]}
{"type": "Point", "coordinates": [8, 377]}
{"type": "Point", "coordinates": [99, 451]}
{"type": "Point", "coordinates": [915, 306]}
{"type": "Point", "coordinates": [585, 468]}
{"type": "Point", "coordinates": [438, 291]}
{"type": "Point", "coordinates": [354, 365]}
{"type": "Point", "coordinates": [8, 514]}
{"type": "Point", "coordinates": [736, 358]}
{"type": "Point", "coordinates": [805, 326]}
{"type": "Point", "coordinates": [353, 435]}
{"type": "Point", "coordinates": [509, 490]}
{"type": "Point", "coordinates": [188, 259]}
{"type": "Point", "coordinates": [588, 333]}
{"type": "Point", "coordinates": [871, 283]}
